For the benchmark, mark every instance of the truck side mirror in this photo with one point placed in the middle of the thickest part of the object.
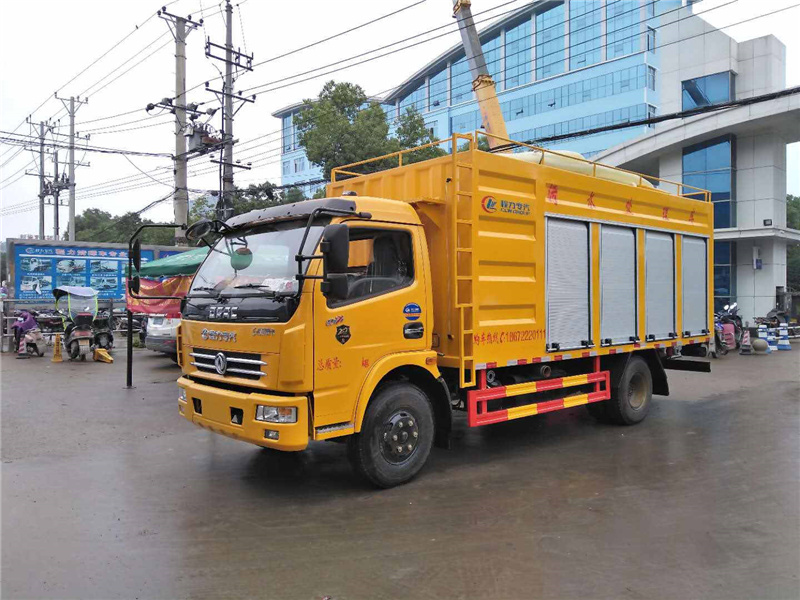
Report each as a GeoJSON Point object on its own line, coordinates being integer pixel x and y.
{"type": "Point", "coordinates": [136, 254]}
{"type": "Point", "coordinates": [335, 248]}
{"type": "Point", "coordinates": [199, 230]}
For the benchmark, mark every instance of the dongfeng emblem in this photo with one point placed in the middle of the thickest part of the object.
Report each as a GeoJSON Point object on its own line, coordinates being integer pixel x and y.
{"type": "Point", "coordinates": [220, 363]}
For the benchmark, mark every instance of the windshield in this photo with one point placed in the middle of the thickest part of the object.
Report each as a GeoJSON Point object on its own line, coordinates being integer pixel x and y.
{"type": "Point", "coordinates": [258, 261]}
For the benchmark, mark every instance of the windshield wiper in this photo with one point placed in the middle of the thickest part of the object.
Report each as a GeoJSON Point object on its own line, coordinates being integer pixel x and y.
{"type": "Point", "coordinates": [252, 285]}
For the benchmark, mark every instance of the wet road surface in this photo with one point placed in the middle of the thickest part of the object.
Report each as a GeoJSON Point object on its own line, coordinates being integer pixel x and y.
{"type": "Point", "coordinates": [107, 493]}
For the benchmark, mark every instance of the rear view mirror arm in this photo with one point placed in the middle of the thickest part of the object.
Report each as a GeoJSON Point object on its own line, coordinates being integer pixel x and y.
{"type": "Point", "coordinates": [300, 257]}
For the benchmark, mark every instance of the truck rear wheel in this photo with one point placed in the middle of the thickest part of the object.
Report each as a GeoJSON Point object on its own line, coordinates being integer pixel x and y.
{"type": "Point", "coordinates": [630, 402]}
{"type": "Point", "coordinates": [396, 436]}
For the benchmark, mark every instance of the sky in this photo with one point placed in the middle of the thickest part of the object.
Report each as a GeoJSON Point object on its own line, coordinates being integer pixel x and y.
{"type": "Point", "coordinates": [70, 36]}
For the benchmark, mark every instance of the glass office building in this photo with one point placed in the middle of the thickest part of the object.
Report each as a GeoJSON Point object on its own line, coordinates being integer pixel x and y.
{"type": "Point", "coordinates": [559, 66]}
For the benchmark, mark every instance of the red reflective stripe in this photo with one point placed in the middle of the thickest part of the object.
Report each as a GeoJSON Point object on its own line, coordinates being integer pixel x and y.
{"type": "Point", "coordinates": [491, 365]}
{"type": "Point", "coordinates": [522, 361]}
{"type": "Point", "coordinates": [549, 406]}
{"type": "Point", "coordinates": [549, 384]}
{"type": "Point", "coordinates": [497, 416]}
{"type": "Point", "coordinates": [536, 360]}
{"type": "Point", "coordinates": [558, 357]}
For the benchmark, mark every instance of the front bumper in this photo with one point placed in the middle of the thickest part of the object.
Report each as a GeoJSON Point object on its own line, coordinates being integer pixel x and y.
{"type": "Point", "coordinates": [218, 408]}
{"type": "Point", "coordinates": [164, 344]}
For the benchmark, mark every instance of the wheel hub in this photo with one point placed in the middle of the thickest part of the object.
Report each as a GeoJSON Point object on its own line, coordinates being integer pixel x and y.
{"type": "Point", "coordinates": [399, 437]}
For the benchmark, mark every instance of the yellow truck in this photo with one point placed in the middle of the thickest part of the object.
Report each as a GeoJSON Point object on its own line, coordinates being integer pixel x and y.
{"type": "Point", "coordinates": [498, 284]}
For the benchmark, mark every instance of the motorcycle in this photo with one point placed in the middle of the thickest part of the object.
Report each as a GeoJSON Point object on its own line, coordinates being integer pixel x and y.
{"type": "Point", "coordinates": [103, 330]}
{"type": "Point", "coordinates": [730, 319]}
{"type": "Point", "coordinates": [78, 307]}
{"type": "Point", "coordinates": [35, 343]}
{"type": "Point", "coordinates": [720, 345]}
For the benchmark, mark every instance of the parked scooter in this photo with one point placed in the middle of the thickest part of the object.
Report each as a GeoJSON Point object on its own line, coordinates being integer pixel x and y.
{"type": "Point", "coordinates": [103, 330]}
{"type": "Point", "coordinates": [720, 345]}
{"type": "Point", "coordinates": [730, 319]}
{"type": "Point", "coordinates": [35, 343]}
{"type": "Point", "coordinates": [78, 307]}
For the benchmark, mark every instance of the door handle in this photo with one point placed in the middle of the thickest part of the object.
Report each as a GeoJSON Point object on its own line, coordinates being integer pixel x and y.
{"type": "Point", "coordinates": [413, 331]}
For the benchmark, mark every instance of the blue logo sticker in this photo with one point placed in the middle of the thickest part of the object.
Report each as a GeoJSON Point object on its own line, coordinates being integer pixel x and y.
{"type": "Point", "coordinates": [412, 311]}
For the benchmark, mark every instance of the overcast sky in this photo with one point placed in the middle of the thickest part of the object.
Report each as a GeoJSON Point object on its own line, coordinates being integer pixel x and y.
{"type": "Point", "coordinates": [44, 43]}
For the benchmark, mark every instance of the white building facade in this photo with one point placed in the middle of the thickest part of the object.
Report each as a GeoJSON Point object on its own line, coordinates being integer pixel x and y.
{"type": "Point", "coordinates": [737, 153]}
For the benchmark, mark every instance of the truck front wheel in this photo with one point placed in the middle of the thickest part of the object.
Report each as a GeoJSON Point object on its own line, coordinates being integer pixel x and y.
{"type": "Point", "coordinates": [396, 435]}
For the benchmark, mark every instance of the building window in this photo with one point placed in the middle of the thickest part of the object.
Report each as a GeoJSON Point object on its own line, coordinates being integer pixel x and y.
{"type": "Point", "coordinates": [651, 112]}
{"type": "Point", "coordinates": [286, 168]}
{"type": "Point", "coordinates": [518, 55]}
{"type": "Point", "coordinates": [491, 54]}
{"type": "Point", "coordinates": [585, 39]}
{"type": "Point", "coordinates": [437, 90]}
{"type": "Point", "coordinates": [708, 90]}
{"type": "Point", "coordinates": [651, 78]}
{"type": "Point", "coordinates": [550, 42]}
{"type": "Point", "coordinates": [461, 82]}
{"type": "Point", "coordinates": [710, 166]}
{"type": "Point", "coordinates": [650, 7]}
{"type": "Point", "coordinates": [651, 39]}
{"type": "Point", "coordinates": [724, 274]}
{"type": "Point", "coordinates": [299, 164]}
{"type": "Point", "coordinates": [622, 28]}
{"type": "Point", "coordinates": [289, 133]}
{"type": "Point", "coordinates": [415, 100]}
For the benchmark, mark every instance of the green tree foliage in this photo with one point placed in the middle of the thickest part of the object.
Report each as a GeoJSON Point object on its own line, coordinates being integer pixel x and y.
{"type": "Point", "coordinates": [246, 199]}
{"type": "Point", "coordinates": [793, 251]}
{"type": "Point", "coordinates": [95, 225]}
{"type": "Point", "coordinates": [342, 126]}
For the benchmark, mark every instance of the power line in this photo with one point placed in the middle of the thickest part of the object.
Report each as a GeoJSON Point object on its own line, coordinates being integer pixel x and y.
{"type": "Point", "coordinates": [27, 139]}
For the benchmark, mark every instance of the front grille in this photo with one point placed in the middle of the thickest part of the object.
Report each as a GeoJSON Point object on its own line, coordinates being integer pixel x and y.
{"type": "Point", "coordinates": [237, 364]}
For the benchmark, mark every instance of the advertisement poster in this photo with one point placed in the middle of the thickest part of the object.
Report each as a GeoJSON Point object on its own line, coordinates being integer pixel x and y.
{"type": "Point", "coordinates": [39, 268]}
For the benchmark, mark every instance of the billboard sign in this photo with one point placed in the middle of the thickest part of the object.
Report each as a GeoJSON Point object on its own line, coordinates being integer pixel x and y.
{"type": "Point", "coordinates": [38, 268]}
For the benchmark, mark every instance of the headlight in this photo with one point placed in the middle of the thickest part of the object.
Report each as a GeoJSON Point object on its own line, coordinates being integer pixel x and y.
{"type": "Point", "coordinates": [181, 394]}
{"type": "Point", "coordinates": [276, 414]}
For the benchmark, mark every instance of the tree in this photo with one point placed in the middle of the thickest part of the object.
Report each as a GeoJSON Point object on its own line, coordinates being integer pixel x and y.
{"type": "Point", "coordinates": [793, 251]}
{"type": "Point", "coordinates": [253, 197]}
{"type": "Point", "coordinates": [95, 225]}
{"type": "Point", "coordinates": [342, 126]}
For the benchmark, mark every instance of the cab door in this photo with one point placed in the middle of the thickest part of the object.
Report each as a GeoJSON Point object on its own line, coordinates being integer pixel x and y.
{"type": "Point", "coordinates": [383, 314]}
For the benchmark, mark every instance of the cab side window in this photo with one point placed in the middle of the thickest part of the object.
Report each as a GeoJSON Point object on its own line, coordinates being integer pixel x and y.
{"type": "Point", "coordinates": [380, 262]}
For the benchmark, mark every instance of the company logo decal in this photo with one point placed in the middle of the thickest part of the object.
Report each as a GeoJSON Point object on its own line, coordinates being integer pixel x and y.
{"type": "Point", "coordinates": [335, 320]}
{"type": "Point", "coordinates": [412, 311]}
{"type": "Point", "coordinates": [218, 336]}
{"type": "Point", "coordinates": [343, 334]}
{"type": "Point", "coordinates": [491, 205]}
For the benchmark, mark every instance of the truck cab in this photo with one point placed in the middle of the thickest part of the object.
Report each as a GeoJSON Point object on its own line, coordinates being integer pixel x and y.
{"type": "Point", "coordinates": [276, 359]}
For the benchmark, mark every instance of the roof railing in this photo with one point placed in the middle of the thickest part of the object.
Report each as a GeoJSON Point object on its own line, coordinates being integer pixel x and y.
{"type": "Point", "coordinates": [682, 189]}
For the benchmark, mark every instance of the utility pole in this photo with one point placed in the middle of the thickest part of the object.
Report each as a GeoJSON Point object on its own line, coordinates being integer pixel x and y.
{"type": "Point", "coordinates": [234, 59]}
{"type": "Point", "coordinates": [56, 191]}
{"type": "Point", "coordinates": [180, 202]}
{"type": "Point", "coordinates": [71, 110]}
{"type": "Point", "coordinates": [227, 113]}
{"type": "Point", "coordinates": [41, 180]}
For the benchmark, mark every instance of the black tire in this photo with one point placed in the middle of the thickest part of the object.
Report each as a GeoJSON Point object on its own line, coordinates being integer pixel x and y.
{"type": "Point", "coordinates": [599, 411]}
{"type": "Point", "coordinates": [630, 402]}
{"type": "Point", "coordinates": [74, 350]}
{"type": "Point", "coordinates": [397, 409]}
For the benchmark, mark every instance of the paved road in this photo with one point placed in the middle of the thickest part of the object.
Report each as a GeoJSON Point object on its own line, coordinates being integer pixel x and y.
{"type": "Point", "coordinates": [107, 493]}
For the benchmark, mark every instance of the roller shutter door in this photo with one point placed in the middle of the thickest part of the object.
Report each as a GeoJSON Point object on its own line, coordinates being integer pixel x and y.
{"type": "Point", "coordinates": [660, 284]}
{"type": "Point", "coordinates": [695, 285]}
{"type": "Point", "coordinates": [567, 283]}
{"type": "Point", "coordinates": [617, 284]}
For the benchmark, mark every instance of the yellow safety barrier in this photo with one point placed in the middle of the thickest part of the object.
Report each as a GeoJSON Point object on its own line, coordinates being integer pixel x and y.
{"type": "Point", "coordinates": [102, 355]}
{"type": "Point", "coordinates": [57, 350]}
